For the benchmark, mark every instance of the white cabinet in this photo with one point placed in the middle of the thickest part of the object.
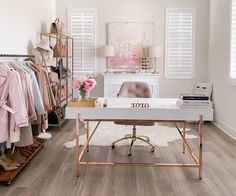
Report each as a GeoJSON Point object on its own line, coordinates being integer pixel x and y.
{"type": "Point", "coordinates": [113, 82]}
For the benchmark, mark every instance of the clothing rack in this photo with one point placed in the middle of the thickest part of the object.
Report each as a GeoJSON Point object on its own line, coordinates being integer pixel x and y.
{"type": "Point", "coordinates": [16, 55]}
{"type": "Point", "coordinates": [8, 176]}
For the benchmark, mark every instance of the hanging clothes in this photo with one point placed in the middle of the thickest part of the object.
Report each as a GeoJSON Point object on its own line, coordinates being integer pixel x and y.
{"type": "Point", "coordinates": [38, 102]}
{"type": "Point", "coordinates": [48, 106]}
{"type": "Point", "coordinates": [26, 137]}
{"type": "Point", "coordinates": [11, 101]}
{"type": "Point", "coordinates": [23, 90]}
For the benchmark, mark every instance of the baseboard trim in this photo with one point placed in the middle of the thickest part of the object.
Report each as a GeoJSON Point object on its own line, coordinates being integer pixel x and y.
{"type": "Point", "coordinates": [225, 128]}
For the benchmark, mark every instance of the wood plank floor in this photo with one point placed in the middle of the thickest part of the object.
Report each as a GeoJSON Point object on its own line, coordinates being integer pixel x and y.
{"type": "Point", "coordinates": [52, 172]}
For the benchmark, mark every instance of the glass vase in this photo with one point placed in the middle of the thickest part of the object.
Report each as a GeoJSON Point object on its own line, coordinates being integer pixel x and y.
{"type": "Point", "coordinates": [83, 95]}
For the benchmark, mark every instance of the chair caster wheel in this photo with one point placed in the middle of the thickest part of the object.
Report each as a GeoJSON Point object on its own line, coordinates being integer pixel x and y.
{"type": "Point", "coordinates": [152, 150]}
{"type": "Point", "coordinates": [129, 153]}
{"type": "Point", "coordinates": [113, 146]}
{"type": "Point", "coordinates": [148, 140]}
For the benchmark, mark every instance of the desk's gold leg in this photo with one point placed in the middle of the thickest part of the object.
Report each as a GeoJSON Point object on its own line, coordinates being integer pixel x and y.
{"type": "Point", "coordinates": [200, 146]}
{"type": "Point", "coordinates": [88, 135]}
{"type": "Point", "coordinates": [77, 132]}
{"type": "Point", "coordinates": [184, 138]}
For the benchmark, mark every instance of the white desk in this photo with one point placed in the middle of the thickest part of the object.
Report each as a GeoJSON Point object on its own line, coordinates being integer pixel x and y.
{"type": "Point", "coordinates": [160, 110]}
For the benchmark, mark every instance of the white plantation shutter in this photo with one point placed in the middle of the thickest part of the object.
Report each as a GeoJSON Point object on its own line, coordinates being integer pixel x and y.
{"type": "Point", "coordinates": [233, 42]}
{"type": "Point", "coordinates": [82, 28]}
{"type": "Point", "coordinates": [179, 50]}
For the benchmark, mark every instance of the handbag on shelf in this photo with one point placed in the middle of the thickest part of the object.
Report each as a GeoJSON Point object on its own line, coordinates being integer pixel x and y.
{"type": "Point", "coordinates": [58, 27]}
{"type": "Point", "coordinates": [51, 96]}
{"type": "Point", "coordinates": [60, 92]}
{"type": "Point", "coordinates": [60, 69]}
{"type": "Point", "coordinates": [54, 77]}
{"type": "Point", "coordinates": [63, 93]}
{"type": "Point", "coordinates": [60, 49]}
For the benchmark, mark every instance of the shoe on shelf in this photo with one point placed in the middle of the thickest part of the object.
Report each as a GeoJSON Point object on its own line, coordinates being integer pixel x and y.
{"type": "Point", "coordinates": [24, 152]}
{"type": "Point", "coordinates": [40, 140]}
{"type": "Point", "coordinates": [37, 141]}
{"type": "Point", "coordinates": [4, 158]}
{"type": "Point", "coordinates": [6, 166]}
{"type": "Point", "coordinates": [30, 149]}
{"type": "Point", "coordinates": [16, 156]}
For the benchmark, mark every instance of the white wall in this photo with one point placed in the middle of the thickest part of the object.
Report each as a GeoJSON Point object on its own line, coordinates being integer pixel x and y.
{"type": "Point", "coordinates": [22, 21]}
{"type": "Point", "coordinates": [147, 11]}
{"type": "Point", "coordinates": [219, 44]}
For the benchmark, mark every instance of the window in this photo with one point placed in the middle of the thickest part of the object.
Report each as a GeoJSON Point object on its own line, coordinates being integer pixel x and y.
{"type": "Point", "coordinates": [179, 49]}
{"type": "Point", "coordinates": [233, 44]}
{"type": "Point", "coordinates": [82, 28]}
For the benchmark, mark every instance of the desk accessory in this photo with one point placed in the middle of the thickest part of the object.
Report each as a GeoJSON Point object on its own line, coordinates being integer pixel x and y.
{"type": "Point", "coordinates": [139, 105]}
{"type": "Point", "coordinates": [88, 102]}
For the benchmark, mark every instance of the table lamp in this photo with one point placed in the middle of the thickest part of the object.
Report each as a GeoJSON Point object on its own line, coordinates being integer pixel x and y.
{"type": "Point", "coordinates": [155, 52]}
{"type": "Point", "coordinates": [108, 51]}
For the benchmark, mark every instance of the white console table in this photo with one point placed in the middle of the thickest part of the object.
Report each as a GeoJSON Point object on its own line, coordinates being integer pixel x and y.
{"type": "Point", "coordinates": [113, 82]}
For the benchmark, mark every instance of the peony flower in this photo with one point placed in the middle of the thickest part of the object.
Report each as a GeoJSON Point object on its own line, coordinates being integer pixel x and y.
{"type": "Point", "coordinates": [84, 85]}
{"type": "Point", "coordinates": [76, 84]}
{"type": "Point", "coordinates": [89, 84]}
{"type": "Point", "coordinates": [82, 79]}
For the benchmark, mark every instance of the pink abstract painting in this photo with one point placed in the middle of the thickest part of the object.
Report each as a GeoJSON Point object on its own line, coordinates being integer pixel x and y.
{"type": "Point", "coordinates": [131, 40]}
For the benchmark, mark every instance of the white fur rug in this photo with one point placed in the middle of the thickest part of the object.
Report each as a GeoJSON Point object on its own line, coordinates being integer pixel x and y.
{"type": "Point", "coordinates": [108, 132]}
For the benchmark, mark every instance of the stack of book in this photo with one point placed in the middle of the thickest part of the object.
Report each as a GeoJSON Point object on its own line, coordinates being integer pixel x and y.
{"type": "Point", "coordinates": [194, 101]}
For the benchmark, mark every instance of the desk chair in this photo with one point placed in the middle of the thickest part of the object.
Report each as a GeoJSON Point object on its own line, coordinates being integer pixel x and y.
{"type": "Point", "coordinates": [133, 89]}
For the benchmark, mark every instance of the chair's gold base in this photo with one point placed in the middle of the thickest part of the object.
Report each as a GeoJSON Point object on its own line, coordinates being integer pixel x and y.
{"type": "Point", "coordinates": [133, 138]}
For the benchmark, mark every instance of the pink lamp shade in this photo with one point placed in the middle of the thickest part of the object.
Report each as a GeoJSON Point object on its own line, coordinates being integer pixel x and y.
{"type": "Point", "coordinates": [108, 51]}
{"type": "Point", "coordinates": [155, 51]}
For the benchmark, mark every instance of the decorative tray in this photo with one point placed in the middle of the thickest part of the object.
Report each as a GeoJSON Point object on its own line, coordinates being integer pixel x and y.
{"type": "Point", "coordinates": [87, 102]}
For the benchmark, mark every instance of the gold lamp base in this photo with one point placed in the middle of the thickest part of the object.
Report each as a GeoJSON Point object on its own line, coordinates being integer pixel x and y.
{"type": "Point", "coordinates": [107, 72]}
{"type": "Point", "coordinates": [155, 72]}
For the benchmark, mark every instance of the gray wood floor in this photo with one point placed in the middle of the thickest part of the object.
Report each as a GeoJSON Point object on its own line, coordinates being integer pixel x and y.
{"type": "Point", "coordinates": [52, 172]}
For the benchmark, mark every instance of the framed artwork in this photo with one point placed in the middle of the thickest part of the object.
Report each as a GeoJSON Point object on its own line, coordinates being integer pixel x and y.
{"type": "Point", "coordinates": [131, 42]}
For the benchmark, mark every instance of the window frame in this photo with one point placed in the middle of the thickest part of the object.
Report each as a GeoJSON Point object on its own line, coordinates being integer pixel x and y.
{"type": "Point", "coordinates": [183, 9]}
{"type": "Point", "coordinates": [232, 81]}
{"type": "Point", "coordinates": [94, 70]}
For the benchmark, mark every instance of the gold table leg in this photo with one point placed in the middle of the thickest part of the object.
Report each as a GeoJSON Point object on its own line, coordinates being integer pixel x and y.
{"type": "Point", "coordinates": [77, 133]}
{"type": "Point", "coordinates": [200, 146]}
{"type": "Point", "coordinates": [87, 128]}
{"type": "Point", "coordinates": [184, 138]}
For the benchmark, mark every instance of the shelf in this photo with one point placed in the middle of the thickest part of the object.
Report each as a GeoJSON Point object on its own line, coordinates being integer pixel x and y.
{"type": "Point", "coordinates": [63, 78]}
{"type": "Point", "coordinates": [57, 35]}
{"type": "Point", "coordinates": [57, 125]}
{"type": "Point", "coordinates": [68, 63]}
{"type": "Point", "coordinates": [66, 98]}
{"type": "Point", "coordinates": [9, 176]}
{"type": "Point", "coordinates": [63, 106]}
{"type": "Point", "coordinates": [63, 57]}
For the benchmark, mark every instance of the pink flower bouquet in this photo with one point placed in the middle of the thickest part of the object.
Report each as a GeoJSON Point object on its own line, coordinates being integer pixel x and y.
{"type": "Point", "coordinates": [84, 85]}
